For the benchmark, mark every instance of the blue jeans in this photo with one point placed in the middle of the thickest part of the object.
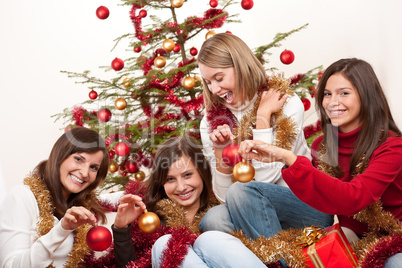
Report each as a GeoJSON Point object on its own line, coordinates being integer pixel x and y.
{"type": "Point", "coordinates": [211, 249]}
{"type": "Point", "coordinates": [260, 208]}
{"type": "Point", "coordinates": [394, 261]}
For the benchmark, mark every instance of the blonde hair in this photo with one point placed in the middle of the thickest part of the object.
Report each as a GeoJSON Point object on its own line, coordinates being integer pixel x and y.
{"type": "Point", "coordinates": [226, 50]}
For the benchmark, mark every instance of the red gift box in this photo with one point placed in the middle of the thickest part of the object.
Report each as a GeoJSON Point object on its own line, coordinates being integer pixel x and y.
{"type": "Point", "coordinates": [332, 251]}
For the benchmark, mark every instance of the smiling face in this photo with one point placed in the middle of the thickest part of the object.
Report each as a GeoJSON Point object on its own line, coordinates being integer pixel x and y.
{"type": "Point", "coordinates": [78, 171]}
{"type": "Point", "coordinates": [342, 103]}
{"type": "Point", "coordinates": [184, 185]}
{"type": "Point", "coordinates": [222, 83]}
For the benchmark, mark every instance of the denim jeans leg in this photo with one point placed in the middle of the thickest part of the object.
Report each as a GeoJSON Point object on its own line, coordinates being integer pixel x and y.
{"type": "Point", "coordinates": [217, 219]}
{"type": "Point", "coordinates": [218, 249]}
{"type": "Point", "coordinates": [394, 261]}
{"type": "Point", "coordinates": [260, 208]}
{"type": "Point", "coordinates": [191, 260]}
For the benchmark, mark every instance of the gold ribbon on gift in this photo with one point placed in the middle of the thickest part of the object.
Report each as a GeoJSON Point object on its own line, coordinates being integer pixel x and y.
{"type": "Point", "coordinates": [309, 236]}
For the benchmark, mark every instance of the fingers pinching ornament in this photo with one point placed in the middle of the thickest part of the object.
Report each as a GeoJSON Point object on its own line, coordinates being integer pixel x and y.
{"type": "Point", "coordinates": [243, 171]}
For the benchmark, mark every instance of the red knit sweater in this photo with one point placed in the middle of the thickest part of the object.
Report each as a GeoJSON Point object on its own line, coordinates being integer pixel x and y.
{"type": "Point", "coordinates": [346, 196]}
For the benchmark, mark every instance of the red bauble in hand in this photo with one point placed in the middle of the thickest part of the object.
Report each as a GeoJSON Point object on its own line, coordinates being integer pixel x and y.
{"type": "Point", "coordinates": [102, 12]}
{"type": "Point", "coordinates": [230, 154]}
{"type": "Point", "coordinates": [117, 64]}
{"type": "Point", "coordinates": [287, 57]}
{"type": "Point", "coordinates": [99, 238]}
{"type": "Point", "coordinates": [122, 148]}
{"type": "Point", "coordinates": [104, 115]}
{"type": "Point", "coordinates": [93, 94]}
{"type": "Point", "coordinates": [247, 4]}
{"type": "Point", "coordinates": [306, 103]}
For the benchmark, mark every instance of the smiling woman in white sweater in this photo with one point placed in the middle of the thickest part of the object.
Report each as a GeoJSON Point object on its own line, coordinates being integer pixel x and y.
{"type": "Point", "coordinates": [44, 222]}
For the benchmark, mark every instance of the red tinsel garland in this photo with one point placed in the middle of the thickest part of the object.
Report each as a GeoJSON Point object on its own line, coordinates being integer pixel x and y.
{"type": "Point", "coordinates": [385, 248]}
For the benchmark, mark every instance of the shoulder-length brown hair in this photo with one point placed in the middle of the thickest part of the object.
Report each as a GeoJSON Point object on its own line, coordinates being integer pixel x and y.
{"type": "Point", "coordinates": [375, 116]}
{"type": "Point", "coordinates": [169, 152]}
{"type": "Point", "coordinates": [76, 140]}
{"type": "Point", "coordinates": [226, 50]}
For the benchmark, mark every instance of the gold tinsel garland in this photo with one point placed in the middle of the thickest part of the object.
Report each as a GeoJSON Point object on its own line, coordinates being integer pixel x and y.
{"type": "Point", "coordinates": [174, 215]}
{"type": "Point", "coordinates": [286, 127]}
{"type": "Point", "coordinates": [46, 222]}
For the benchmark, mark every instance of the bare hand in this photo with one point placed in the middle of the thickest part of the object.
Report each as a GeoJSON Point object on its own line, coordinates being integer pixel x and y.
{"type": "Point", "coordinates": [129, 209]}
{"type": "Point", "coordinates": [271, 102]}
{"type": "Point", "coordinates": [76, 216]}
{"type": "Point", "coordinates": [221, 136]}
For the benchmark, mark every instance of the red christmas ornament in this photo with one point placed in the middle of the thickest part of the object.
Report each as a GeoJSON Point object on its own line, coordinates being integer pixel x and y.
{"type": "Point", "coordinates": [104, 115]}
{"type": "Point", "coordinates": [68, 127]}
{"type": "Point", "coordinates": [230, 154]}
{"type": "Point", "coordinates": [146, 162]}
{"type": "Point", "coordinates": [111, 155]}
{"type": "Point", "coordinates": [117, 64]}
{"type": "Point", "coordinates": [193, 51]}
{"type": "Point", "coordinates": [99, 238]}
{"type": "Point", "coordinates": [306, 103]}
{"type": "Point", "coordinates": [93, 94]}
{"type": "Point", "coordinates": [287, 57]}
{"type": "Point", "coordinates": [137, 49]}
{"type": "Point", "coordinates": [122, 148]}
{"type": "Point", "coordinates": [102, 12]}
{"type": "Point", "coordinates": [176, 48]}
{"type": "Point", "coordinates": [132, 167]}
{"type": "Point", "coordinates": [229, 32]}
{"type": "Point", "coordinates": [247, 4]}
{"type": "Point", "coordinates": [213, 3]}
{"type": "Point", "coordinates": [143, 13]}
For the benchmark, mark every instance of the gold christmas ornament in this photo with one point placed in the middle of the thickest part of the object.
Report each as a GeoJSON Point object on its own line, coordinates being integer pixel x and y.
{"type": "Point", "coordinates": [160, 61]}
{"type": "Point", "coordinates": [197, 79]}
{"type": "Point", "coordinates": [113, 166]}
{"type": "Point", "coordinates": [209, 35]}
{"type": "Point", "coordinates": [176, 3]}
{"type": "Point", "coordinates": [149, 222]}
{"type": "Point", "coordinates": [139, 176]}
{"type": "Point", "coordinates": [120, 104]}
{"type": "Point", "coordinates": [188, 82]}
{"type": "Point", "coordinates": [243, 171]}
{"type": "Point", "coordinates": [168, 45]}
{"type": "Point", "coordinates": [127, 82]}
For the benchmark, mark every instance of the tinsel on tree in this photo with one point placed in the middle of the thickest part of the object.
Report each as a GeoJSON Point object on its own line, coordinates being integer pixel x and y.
{"type": "Point", "coordinates": [156, 93]}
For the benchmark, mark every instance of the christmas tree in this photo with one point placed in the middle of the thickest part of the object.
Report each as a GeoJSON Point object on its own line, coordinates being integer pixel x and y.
{"type": "Point", "coordinates": [156, 93]}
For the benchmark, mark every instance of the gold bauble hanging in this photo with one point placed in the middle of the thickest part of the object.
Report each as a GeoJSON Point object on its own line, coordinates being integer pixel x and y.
{"type": "Point", "coordinates": [149, 222]}
{"type": "Point", "coordinates": [188, 82]}
{"type": "Point", "coordinates": [209, 35]}
{"type": "Point", "coordinates": [139, 176]}
{"type": "Point", "coordinates": [120, 104]}
{"type": "Point", "coordinates": [176, 3]}
{"type": "Point", "coordinates": [126, 82]}
{"type": "Point", "coordinates": [168, 45]}
{"type": "Point", "coordinates": [243, 171]}
{"type": "Point", "coordinates": [113, 166]}
{"type": "Point", "coordinates": [160, 61]}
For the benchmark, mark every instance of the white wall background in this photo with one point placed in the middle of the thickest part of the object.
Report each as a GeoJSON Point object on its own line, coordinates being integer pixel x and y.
{"type": "Point", "coordinates": [40, 38]}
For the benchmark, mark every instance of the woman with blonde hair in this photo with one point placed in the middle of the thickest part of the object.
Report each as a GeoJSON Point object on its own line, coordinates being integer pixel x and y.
{"type": "Point", "coordinates": [240, 104]}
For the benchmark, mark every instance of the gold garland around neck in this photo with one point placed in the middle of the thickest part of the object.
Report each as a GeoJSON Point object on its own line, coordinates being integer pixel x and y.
{"type": "Point", "coordinates": [286, 127]}
{"type": "Point", "coordinates": [46, 222]}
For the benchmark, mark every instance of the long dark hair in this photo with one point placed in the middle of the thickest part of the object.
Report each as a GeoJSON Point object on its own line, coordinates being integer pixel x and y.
{"type": "Point", "coordinates": [76, 140]}
{"type": "Point", "coordinates": [375, 116]}
{"type": "Point", "coordinates": [169, 152]}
